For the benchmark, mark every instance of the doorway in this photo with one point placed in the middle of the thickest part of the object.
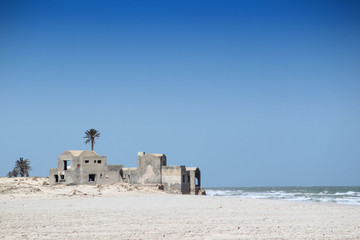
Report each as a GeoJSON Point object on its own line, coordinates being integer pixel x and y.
{"type": "Point", "coordinates": [92, 177]}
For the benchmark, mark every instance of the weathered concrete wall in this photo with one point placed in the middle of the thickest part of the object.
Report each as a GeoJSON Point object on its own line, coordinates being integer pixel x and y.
{"type": "Point", "coordinates": [176, 179]}
{"type": "Point", "coordinates": [130, 175]}
{"type": "Point", "coordinates": [185, 186]}
{"type": "Point", "coordinates": [52, 173]}
{"type": "Point", "coordinates": [192, 182]}
{"type": "Point", "coordinates": [94, 165]}
{"type": "Point", "coordinates": [84, 167]}
{"type": "Point", "coordinates": [149, 168]}
{"type": "Point", "coordinates": [108, 178]}
{"type": "Point", "coordinates": [171, 178]}
{"type": "Point", "coordinates": [114, 168]}
{"type": "Point", "coordinates": [194, 174]}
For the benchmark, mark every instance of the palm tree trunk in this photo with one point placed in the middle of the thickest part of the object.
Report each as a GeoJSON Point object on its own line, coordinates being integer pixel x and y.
{"type": "Point", "coordinates": [92, 144]}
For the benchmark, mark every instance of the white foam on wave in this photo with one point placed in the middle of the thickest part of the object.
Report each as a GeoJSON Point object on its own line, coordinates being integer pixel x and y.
{"type": "Point", "coordinates": [350, 193]}
{"type": "Point", "coordinates": [211, 192]}
{"type": "Point", "coordinates": [349, 197]}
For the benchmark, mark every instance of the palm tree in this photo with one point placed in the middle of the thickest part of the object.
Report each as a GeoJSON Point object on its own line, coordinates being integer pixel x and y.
{"type": "Point", "coordinates": [90, 136]}
{"type": "Point", "coordinates": [13, 173]}
{"type": "Point", "coordinates": [22, 167]}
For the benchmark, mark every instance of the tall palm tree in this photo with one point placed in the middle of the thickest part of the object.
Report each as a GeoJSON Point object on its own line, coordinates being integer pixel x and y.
{"type": "Point", "coordinates": [22, 166]}
{"type": "Point", "coordinates": [90, 136]}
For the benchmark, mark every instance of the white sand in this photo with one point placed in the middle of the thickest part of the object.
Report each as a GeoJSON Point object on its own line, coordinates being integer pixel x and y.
{"type": "Point", "coordinates": [29, 210]}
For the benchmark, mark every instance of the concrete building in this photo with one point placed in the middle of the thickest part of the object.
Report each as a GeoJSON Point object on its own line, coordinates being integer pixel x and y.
{"type": "Point", "coordinates": [83, 167]}
{"type": "Point", "coordinates": [87, 167]}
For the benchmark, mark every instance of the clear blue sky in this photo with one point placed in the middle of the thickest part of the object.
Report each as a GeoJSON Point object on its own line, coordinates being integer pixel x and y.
{"type": "Point", "coordinates": [255, 93]}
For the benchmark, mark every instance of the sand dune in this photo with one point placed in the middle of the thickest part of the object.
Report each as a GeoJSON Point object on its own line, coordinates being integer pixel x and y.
{"type": "Point", "coordinates": [31, 209]}
{"type": "Point", "coordinates": [39, 188]}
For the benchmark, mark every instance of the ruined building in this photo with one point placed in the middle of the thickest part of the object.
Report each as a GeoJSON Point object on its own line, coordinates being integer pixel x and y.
{"type": "Point", "coordinates": [87, 167]}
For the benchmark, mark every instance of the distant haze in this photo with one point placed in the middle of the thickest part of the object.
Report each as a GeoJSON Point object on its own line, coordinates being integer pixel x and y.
{"type": "Point", "coordinates": [254, 93]}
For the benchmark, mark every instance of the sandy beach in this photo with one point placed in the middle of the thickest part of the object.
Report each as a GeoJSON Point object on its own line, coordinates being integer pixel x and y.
{"type": "Point", "coordinates": [31, 209]}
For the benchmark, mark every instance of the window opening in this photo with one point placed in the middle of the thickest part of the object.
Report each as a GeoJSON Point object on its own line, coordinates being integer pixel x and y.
{"type": "Point", "coordinates": [92, 177]}
{"type": "Point", "coordinates": [188, 178]}
{"type": "Point", "coordinates": [99, 161]}
{"type": "Point", "coordinates": [86, 161]}
{"type": "Point", "coordinates": [183, 178]}
{"type": "Point", "coordinates": [67, 164]}
{"type": "Point", "coordinates": [62, 178]}
{"type": "Point", "coordinates": [94, 161]}
{"type": "Point", "coordinates": [197, 178]}
{"type": "Point", "coordinates": [56, 178]}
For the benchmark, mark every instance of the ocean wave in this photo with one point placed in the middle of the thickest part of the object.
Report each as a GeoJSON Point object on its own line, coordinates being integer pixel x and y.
{"type": "Point", "coordinates": [351, 193]}
{"type": "Point", "coordinates": [341, 195]}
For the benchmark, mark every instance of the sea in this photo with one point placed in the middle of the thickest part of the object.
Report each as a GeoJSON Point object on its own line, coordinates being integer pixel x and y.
{"type": "Point", "coordinates": [333, 194]}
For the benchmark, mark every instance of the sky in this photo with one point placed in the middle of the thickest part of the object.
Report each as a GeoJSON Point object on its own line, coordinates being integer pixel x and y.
{"type": "Point", "coordinates": [254, 93]}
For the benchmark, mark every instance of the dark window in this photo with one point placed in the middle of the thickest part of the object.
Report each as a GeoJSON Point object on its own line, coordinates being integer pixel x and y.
{"type": "Point", "coordinates": [188, 178]}
{"type": "Point", "coordinates": [56, 178]}
{"type": "Point", "coordinates": [99, 161]}
{"type": "Point", "coordinates": [183, 178]}
{"type": "Point", "coordinates": [66, 164]}
{"type": "Point", "coordinates": [92, 177]}
{"type": "Point", "coordinates": [94, 161]}
{"type": "Point", "coordinates": [101, 175]}
{"type": "Point", "coordinates": [62, 178]}
{"type": "Point", "coordinates": [86, 161]}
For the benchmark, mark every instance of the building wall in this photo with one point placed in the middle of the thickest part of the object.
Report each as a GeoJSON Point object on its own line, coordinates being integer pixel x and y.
{"type": "Point", "coordinates": [149, 168]}
{"type": "Point", "coordinates": [194, 174]}
{"type": "Point", "coordinates": [83, 168]}
{"type": "Point", "coordinates": [192, 182]}
{"type": "Point", "coordinates": [52, 173]}
{"type": "Point", "coordinates": [130, 175]}
{"type": "Point", "coordinates": [176, 179]}
{"type": "Point", "coordinates": [95, 165]}
{"type": "Point", "coordinates": [185, 186]}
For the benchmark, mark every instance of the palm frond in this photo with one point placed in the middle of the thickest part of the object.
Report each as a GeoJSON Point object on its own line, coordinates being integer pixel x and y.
{"type": "Point", "coordinates": [22, 167]}
{"type": "Point", "coordinates": [90, 136]}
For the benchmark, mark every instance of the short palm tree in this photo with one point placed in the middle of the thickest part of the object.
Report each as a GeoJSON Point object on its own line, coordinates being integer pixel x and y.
{"type": "Point", "coordinates": [22, 167]}
{"type": "Point", "coordinates": [13, 173]}
{"type": "Point", "coordinates": [90, 136]}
